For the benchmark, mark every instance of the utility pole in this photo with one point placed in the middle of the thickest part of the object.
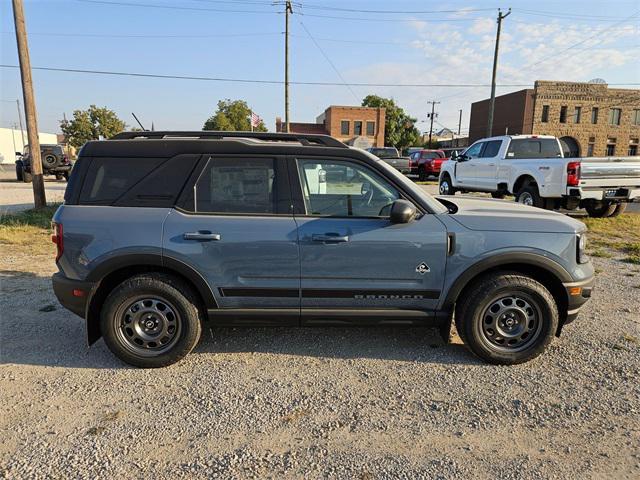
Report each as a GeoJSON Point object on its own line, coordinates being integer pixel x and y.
{"type": "Point", "coordinates": [39, 197]}
{"type": "Point", "coordinates": [492, 102]}
{"type": "Point", "coordinates": [460, 122]}
{"type": "Point", "coordinates": [20, 120]}
{"type": "Point", "coordinates": [432, 115]}
{"type": "Point", "coordinates": [287, 10]}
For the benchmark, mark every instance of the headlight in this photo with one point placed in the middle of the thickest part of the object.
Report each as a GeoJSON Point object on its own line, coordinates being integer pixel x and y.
{"type": "Point", "coordinates": [582, 248]}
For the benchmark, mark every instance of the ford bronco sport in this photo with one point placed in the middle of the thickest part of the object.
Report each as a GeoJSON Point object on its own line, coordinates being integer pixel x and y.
{"type": "Point", "coordinates": [161, 231]}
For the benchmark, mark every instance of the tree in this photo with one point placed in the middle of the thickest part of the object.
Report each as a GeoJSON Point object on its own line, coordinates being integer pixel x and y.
{"type": "Point", "coordinates": [232, 115]}
{"type": "Point", "coordinates": [399, 129]}
{"type": "Point", "coordinates": [91, 124]}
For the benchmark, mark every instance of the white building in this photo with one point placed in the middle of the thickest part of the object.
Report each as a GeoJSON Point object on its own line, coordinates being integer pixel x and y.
{"type": "Point", "coordinates": [11, 142]}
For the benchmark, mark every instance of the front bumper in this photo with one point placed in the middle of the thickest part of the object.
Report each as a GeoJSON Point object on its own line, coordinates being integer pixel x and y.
{"type": "Point", "coordinates": [578, 293]}
{"type": "Point", "coordinates": [74, 295]}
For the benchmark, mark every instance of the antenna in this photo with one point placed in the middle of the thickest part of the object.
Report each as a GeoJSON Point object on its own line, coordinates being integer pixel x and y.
{"type": "Point", "coordinates": [141, 126]}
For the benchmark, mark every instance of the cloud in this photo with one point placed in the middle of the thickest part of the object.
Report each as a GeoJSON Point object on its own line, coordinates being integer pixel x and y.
{"type": "Point", "coordinates": [483, 25]}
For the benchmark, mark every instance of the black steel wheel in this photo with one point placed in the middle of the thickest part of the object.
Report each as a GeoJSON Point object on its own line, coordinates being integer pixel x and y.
{"type": "Point", "coordinates": [151, 320]}
{"type": "Point", "coordinates": [506, 318]}
{"type": "Point", "coordinates": [600, 209]}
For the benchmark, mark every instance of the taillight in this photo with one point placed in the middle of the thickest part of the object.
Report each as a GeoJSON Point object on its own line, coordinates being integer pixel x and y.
{"type": "Point", "coordinates": [58, 238]}
{"type": "Point", "coordinates": [573, 174]}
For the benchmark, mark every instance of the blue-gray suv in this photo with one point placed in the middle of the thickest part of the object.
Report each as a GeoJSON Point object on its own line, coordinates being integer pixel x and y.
{"type": "Point", "coordinates": [162, 231]}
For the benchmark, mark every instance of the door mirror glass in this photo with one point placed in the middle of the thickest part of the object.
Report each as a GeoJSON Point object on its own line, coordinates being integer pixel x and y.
{"type": "Point", "coordinates": [402, 211]}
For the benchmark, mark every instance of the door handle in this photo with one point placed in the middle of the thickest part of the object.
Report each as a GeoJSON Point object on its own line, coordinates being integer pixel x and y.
{"type": "Point", "coordinates": [317, 237]}
{"type": "Point", "coordinates": [202, 235]}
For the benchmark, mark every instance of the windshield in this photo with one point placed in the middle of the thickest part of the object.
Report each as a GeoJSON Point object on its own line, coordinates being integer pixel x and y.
{"type": "Point", "coordinates": [434, 204]}
{"type": "Point", "coordinates": [384, 152]}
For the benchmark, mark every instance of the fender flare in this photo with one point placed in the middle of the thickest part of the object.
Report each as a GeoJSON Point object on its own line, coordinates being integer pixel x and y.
{"type": "Point", "coordinates": [113, 264]}
{"type": "Point", "coordinates": [506, 258]}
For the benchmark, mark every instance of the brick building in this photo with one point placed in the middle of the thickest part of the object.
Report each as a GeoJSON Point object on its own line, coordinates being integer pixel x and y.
{"type": "Point", "coordinates": [361, 125]}
{"type": "Point", "coordinates": [590, 119]}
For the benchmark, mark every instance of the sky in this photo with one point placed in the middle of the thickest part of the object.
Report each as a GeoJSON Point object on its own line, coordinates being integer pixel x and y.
{"type": "Point", "coordinates": [390, 43]}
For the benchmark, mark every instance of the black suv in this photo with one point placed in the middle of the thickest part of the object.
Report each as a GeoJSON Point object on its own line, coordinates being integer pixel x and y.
{"type": "Point", "coordinates": [54, 162]}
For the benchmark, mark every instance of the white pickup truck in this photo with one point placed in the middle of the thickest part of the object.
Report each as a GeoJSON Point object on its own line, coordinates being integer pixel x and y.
{"type": "Point", "coordinates": [532, 168]}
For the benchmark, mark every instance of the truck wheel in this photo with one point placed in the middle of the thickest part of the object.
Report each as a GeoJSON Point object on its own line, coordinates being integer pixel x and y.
{"type": "Point", "coordinates": [529, 195]}
{"type": "Point", "coordinates": [506, 318]}
{"type": "Point", "coordinates": [26, 176]}
{"type": "Point", "coordinates": [445, 187]}
{"type": "Point", "coordinates": [65, 175]}
{"type": "Point", "coordinates": [423, 176]}
{"type": "Point", "coordinates": [620, 208]}
{"type": "Point", "coordinates": [19, 167]}
{"type": "Point", "coordinates": [600, 209]}
{"type": "Point", "coordinates": [151, 320]}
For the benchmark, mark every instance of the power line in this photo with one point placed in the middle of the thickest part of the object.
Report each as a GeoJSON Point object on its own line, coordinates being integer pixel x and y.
{"type": "Point", "coordinates": [174, 7]}
{"type": "Point", "coordinates": [599, 32]}
{"type": "Point", "coordinates": [280, 82]}
{"type": "Point", "coordinates": [134, 35]}
{"type": "Point", "coordinates": [328, 60]}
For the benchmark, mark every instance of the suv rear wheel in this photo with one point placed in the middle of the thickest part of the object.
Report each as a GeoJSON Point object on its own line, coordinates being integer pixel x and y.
{"type": "Point", "coordinates": [151, 320]}
{"type": "Point", "coordinates": [601, 209]}
{"type": "Point", "coordinates": [506, 318]}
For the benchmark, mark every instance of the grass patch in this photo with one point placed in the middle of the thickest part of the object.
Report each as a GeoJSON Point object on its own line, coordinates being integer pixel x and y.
{"type": "Point", "coordinates": [428, 182]}
{"type": "Point", "coordinates": [618, 234]}
{"type": "Point", "coordinates": [28, 228]}
{"type": "Point", "coordinates": [601, 253]}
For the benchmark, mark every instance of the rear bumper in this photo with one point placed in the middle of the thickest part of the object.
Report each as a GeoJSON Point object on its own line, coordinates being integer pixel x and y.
{"type": "Point", "coordinates": [619, 194]}
{"type": "Point", "coordinates": [73, 295]}
{"type": "Point", "coordinates": [578, 293]}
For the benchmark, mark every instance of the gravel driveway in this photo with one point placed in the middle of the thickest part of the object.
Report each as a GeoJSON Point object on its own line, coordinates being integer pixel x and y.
{"type": "Point", "coordinates": [318, 402]}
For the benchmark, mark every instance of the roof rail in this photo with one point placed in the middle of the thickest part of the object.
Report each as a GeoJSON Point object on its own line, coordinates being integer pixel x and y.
{"type": "Point", "coordinates": [304, 139]}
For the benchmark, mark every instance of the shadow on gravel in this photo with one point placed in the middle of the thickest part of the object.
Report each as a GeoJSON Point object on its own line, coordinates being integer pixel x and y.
{"type": "Point", "coordinates": [409, 344]}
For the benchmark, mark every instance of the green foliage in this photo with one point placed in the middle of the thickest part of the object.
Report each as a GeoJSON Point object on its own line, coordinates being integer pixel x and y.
{"type": "Point", "coordinates": [90, 124]}
{"type": "Point", "coordinates": [399, 129]}
{"type": "Point", "coordinates": [232, 115]}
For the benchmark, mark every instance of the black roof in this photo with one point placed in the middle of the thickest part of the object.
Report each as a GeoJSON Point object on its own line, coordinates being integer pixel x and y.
{"type": "Point", "coordinates": [170, 143]}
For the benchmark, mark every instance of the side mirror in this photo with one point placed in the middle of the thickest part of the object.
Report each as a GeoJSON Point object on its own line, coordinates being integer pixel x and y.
{"type": "Point", "coordinates": [461, 158]}
{"type": "Point", "coordinates": [18, 154]}
{"type": "Point", "coordinates": [402, 211]}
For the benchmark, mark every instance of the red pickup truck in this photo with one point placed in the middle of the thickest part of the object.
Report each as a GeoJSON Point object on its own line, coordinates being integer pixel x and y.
{"type": "Point", "coordinates": [426, 163]}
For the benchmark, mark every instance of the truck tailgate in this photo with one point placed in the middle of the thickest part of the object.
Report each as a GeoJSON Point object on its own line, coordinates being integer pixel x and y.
{"type": "Point", "coordinates": [610, 172]}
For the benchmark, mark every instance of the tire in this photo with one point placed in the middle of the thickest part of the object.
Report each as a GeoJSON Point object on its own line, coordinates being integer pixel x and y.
{"type": "Point", "coordinates": [500, 309]}
{"type": "Point", "coordinates": [498, 195]}
{"type": "Point", "coordinates": [65, 175]}
{"type": "Point", "coordinates": [26, 176]}
{"type": "Point", "coordinates": [59, 176]}
{"type": "Point", "coordinates": [50, 160]}
{"type": "Point", "coordinates": [151, 320]}
{"type": "Point", "coordinates": [19, 167]}
{"type": "Point", "coordinates": [620, 208]}
{"type": "Point", "coordinates": [601, 209]}
{"type": "Point", "coordinates": [529, 195]}
{"type": "Point", "coordinates": [423, 176]}
{"type": "Point", "coordinates": [445, 187]}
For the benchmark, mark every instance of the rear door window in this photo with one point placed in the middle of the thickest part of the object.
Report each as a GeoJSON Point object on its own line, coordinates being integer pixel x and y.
{"type": "Point", "coordinates": [491, 149]}
{"type": "Point", "coordinates": [238, 186]}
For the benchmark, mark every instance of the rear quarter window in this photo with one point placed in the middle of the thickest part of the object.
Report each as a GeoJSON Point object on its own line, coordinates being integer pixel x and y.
{"type": "Point", "coordinates": [110, 178]}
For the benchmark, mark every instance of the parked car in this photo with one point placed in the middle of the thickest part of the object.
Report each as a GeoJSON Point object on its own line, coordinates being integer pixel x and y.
{"type": "Point", "coordinates": [160, 231]}
{"type": "Point", "coordinates": [392, 157]}
{"type": "Point", "coordinates": [532, 168]}
{"type": "Point", "coordinates": [54, 162]}
{"type": "Point", "coordinates": [426, 163]}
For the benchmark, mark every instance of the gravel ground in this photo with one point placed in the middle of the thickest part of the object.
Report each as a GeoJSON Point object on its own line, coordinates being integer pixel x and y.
{"type": "Point", "coordinates": [317, 402]}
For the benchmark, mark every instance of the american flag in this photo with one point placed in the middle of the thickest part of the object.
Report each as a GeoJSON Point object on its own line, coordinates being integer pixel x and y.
{"type": "Point", "coordinates": [255, 120]}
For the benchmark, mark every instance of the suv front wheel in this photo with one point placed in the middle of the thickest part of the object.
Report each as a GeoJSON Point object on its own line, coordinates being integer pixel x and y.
{"type": "Point", "coordinates": [506, 318]}
{"type": "Point", "coordinates": [151, 320]}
